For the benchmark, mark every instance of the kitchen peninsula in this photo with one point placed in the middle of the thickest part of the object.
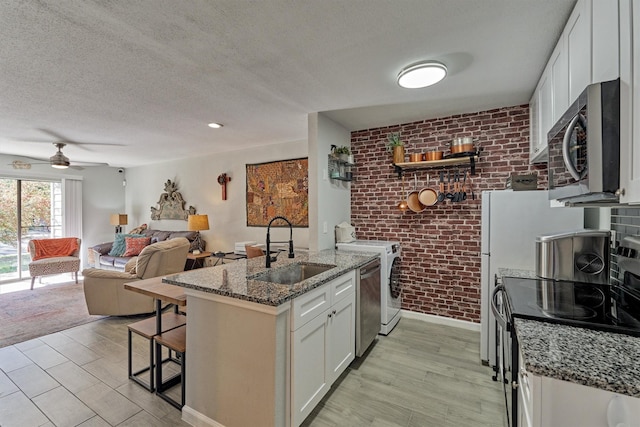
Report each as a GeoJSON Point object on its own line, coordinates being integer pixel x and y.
{"type": "Point", "coordinates": [264, 353]}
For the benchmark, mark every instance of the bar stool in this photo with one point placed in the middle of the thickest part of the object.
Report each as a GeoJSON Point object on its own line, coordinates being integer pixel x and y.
{"type": "Point", "coordinates": [147, 329]}
{"type": "Point", "coordinates": [175, 340]}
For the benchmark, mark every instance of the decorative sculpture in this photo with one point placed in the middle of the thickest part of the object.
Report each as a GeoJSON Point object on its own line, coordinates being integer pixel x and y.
{"type": "Point", "coordinates": [171, 204]}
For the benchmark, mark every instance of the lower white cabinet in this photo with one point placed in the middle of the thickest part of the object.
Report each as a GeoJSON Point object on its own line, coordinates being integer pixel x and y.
{"type": "Point", "coordinates": [323, 346]}
{"type": "Point", "coordinates": [548, 402]}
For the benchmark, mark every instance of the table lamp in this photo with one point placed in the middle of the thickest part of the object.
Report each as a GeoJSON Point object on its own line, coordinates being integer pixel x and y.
{"type": "Point", "coordinates": [118, 220]}
{"type": "Point", "coordinates": [198, 223]}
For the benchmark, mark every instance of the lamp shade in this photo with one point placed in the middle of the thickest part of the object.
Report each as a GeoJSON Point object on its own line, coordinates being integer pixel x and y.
{"type": "Point", "coordinates": [198, 222]}
{"type": "Point", "coordinates": [118, 219]}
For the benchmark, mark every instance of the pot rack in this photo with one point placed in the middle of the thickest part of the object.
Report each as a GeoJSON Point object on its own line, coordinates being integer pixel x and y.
{"type": "Point", "coordinates": [462, 160]}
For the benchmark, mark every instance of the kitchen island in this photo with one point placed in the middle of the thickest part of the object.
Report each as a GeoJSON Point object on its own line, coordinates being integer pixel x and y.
{"type": "Point", "coordinates": [249, 341]}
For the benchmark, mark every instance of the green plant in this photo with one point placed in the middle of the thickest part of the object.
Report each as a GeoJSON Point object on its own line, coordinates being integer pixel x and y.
{"type": "Point", "coordinates": [394, 141]}
{"type": "Point", "coordinates": [343, 150]}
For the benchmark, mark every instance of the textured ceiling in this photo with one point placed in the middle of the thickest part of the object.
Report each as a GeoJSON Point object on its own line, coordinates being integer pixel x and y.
{"type": "Point", "coordinates": [146, 76]}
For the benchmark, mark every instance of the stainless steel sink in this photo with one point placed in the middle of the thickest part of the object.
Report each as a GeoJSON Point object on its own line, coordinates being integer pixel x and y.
{"type": "Point", "coordinates": [293, 273]}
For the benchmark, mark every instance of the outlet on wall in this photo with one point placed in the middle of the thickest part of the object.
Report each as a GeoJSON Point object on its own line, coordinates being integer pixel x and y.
{"type": "Point", "coordinates": [324, 227]}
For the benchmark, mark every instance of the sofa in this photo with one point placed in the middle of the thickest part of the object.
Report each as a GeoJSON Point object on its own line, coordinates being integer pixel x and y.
{"type": "Point", "coordinates": [103, 260]}
{"type": "Point", "coordinates": [54, 256]}
{"type": "Point", "coordinates": [104, 290]}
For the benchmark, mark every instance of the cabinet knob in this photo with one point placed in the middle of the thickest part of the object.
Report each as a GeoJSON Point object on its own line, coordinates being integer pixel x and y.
{"type": "Point", "coordinates": [330, 315]}
{"type": "Point", "coordinates": [334, 312]}
{"type": "Point", "coordinates": [620, 192]}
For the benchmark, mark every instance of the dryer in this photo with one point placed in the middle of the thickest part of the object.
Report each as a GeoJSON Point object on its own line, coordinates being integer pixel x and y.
{"type": "Point", "coordinates": [391, 289]}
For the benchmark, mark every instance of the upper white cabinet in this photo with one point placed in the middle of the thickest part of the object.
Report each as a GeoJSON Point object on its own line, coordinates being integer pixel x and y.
{"type": "Point", "coordinates": [605, 39]}
{"type": "Point", "coordinates": [559, 69]}
{"type": "Point", "coordinates": [586, 52]}
{"type": "Point", "coordinates": [540, 120]}
{"type": "Point", "coordinates": [578, 42]}
{"type": "Point", "coordinates": [629, 101]}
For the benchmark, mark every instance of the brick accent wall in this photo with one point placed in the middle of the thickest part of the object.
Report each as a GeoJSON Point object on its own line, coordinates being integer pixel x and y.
{"type": "Point", "coordinates": [441, 245]}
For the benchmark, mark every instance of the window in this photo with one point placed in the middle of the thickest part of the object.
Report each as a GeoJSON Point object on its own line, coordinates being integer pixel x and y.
{"type": "Point", "coordinates": [29, 209]}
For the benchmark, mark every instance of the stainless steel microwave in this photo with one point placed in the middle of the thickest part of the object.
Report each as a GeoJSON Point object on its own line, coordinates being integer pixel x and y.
{"type": "Point", "coordinates": [584, 148]}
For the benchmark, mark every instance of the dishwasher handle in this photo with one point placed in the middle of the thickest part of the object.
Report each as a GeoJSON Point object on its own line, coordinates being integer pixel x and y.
{"type": "Point", "coordinates": [369, 270]}
{"type": "Point", "coordinates": [502, 321]}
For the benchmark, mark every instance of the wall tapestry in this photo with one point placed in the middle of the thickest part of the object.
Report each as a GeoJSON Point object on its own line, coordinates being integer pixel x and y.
{"type": "Point", "coordinates": [171, 204]}
{"type": "Point", "coordinates": [278, 188]}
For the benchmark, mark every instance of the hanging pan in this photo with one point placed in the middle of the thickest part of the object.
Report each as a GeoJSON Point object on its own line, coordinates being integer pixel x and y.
{"type": "Point", "coordinates": [413, 198]}
{"type": "Point", "coordinates": [428, 196]}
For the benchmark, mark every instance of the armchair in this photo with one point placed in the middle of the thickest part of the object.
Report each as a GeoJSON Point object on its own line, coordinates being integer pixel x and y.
{"type": "Point", "coordinates": [104, 290]}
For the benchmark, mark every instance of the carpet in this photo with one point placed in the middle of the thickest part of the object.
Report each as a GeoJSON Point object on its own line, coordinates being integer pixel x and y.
{"type": "Point", "coordinates": [25, 315]}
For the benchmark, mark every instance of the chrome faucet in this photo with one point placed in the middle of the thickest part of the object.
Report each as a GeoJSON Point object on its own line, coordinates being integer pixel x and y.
{"type": "Point", "coordinates": [291, 254]}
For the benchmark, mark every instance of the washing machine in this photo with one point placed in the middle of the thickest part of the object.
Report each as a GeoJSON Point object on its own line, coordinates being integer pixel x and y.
{"type": "Point", "coordinates": [391, 289]}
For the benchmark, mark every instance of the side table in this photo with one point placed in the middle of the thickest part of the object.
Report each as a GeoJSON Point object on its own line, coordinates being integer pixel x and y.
{"type": "Point", "coordinates": [196, 260]}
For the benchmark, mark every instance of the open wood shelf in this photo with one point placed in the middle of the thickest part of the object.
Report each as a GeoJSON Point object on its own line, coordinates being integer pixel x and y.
{"type": "Point", "coordinates": [470, 159]}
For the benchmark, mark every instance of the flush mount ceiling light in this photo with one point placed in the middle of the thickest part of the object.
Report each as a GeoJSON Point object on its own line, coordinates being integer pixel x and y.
{"type": "Point", "coordinates": [422, 74]}
{"type": "Point", "coordinates": [215, 125]}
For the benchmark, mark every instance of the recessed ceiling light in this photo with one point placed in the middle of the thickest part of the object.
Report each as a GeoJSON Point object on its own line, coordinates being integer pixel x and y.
{"type": "Point", "coordinates": [422, 74]}
{"type": "Point", "coordinates": [215, 125]}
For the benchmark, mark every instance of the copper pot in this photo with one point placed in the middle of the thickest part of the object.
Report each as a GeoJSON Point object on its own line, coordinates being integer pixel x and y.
{"type": "Point", "coordinates": [462, 145]}
{"type": "Point", "coordinates": [416, 157]}
{"type": "Point", "coordinates": [433, 155]}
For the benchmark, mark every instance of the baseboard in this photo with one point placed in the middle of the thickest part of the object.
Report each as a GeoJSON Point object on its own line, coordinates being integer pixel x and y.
{"type": "Point", "coordinates": [196, 419]}
{"type": "Point", "coordinates": [447, 321]}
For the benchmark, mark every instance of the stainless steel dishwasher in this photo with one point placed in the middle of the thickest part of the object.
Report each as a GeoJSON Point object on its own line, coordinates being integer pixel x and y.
{"type": "Point", "coordinates": [367, 305]}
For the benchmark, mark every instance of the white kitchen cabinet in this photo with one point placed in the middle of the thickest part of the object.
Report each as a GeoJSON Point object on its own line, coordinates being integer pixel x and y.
{"type": "Point", "coordinates": [605, 41]}
{"type": "Point", "coordinates": [341, 343]}
{"type": "Point", "coordinates": [323, 346]}
{"type": "Point", "coordinates": [545, 401]}
{"type": "Point", "coordinates": [310, 376]}
{"type": "Point", "coordinates": [629, 102]}
{"type": "Point", "coordinates": [586, 52]}
{"type": "Point", "coordinates": [559, 70]}
{"type": "Point", "coordinates": [578, 43]}
{"type": "Point", "coordinates": [540, 121]}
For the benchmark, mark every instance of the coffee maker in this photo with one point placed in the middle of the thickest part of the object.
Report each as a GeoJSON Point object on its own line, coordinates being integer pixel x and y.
{"type": "Point", "coordinates": [577, 256]}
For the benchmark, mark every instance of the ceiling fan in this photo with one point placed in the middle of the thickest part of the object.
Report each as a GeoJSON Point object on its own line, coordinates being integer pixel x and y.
{"type": "Point", "coordinates": [59, 160]}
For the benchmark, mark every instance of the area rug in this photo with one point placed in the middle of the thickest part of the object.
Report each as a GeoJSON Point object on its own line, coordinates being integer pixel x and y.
{"type": "Point", "coordinates": [25, 315]}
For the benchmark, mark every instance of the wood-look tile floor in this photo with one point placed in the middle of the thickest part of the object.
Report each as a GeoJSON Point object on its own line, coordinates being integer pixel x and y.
{"type": "Point", "coordinates": [420, 375]}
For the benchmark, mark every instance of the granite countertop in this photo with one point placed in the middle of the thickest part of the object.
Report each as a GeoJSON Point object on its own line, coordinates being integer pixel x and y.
{"type": "Point", "coordinates": [234, 279]}
{"type": "Point", "coordinates": [512, 272]}
{"type": "Point", "coordinates": [604, 360]}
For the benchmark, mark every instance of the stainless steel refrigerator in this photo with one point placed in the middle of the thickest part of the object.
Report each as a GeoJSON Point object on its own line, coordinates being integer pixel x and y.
{"type": "Point", "coordinates": [511, 220]}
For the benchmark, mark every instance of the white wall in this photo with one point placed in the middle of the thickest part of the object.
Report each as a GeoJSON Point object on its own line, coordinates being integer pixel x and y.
{"type": "Point", "coordinates": [196, 178]}
{"type": "Point", "coordinates": [329, 200]}
{"type": "Point", "coordinates": [102, 194]}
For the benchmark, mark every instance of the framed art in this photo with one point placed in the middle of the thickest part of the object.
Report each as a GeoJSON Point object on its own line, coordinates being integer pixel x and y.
{"type": "Point", "coordinates": [278, 188]}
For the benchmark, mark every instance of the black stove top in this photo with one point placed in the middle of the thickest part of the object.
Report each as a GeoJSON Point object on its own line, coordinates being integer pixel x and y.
{"type": "Point", "coordinates": [604, 307]}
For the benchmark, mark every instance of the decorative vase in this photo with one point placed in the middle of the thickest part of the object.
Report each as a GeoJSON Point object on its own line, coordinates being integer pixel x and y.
{"type": "Point", "coordinates": [398, 154]}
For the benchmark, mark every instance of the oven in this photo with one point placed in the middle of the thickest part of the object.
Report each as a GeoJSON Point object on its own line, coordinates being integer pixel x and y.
{"type": "Point", "coordinates": [605, 307]}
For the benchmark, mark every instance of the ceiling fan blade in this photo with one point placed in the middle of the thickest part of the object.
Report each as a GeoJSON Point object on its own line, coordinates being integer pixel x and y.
{"type": "Point", "coordinates": [80, 144]}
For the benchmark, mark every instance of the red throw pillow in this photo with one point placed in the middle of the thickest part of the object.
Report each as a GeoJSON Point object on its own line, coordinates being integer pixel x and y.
{"type": "Point", "coordinates": [135, 245]}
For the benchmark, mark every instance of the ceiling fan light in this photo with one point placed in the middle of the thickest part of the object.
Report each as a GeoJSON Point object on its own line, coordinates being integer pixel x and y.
{"type": "Point", "coordinates": [422, 74]}
{"type": "Point", "coordinates": [59, 161]}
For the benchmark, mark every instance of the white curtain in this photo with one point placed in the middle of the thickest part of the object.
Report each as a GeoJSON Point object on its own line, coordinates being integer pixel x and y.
{"type": "Point", "coordinates": [72, 205]}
